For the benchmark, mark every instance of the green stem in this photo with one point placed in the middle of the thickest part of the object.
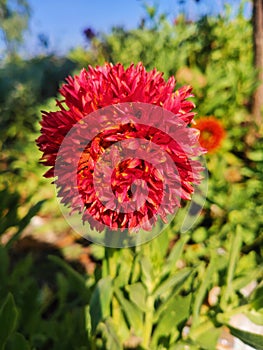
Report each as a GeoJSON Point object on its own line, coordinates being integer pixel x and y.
{"type": "Point", "coordinates": [147, 332]}
{"type": "Point", "coordinates": [110, 263]}
{"type": "Point", "coordinates": [233, 258]}
{"type": "Point", "coordinates": [110, 269]}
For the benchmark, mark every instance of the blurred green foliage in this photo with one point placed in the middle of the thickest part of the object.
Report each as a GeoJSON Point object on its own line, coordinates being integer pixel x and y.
{"type": "Point", "coordinates": [25, 85]}
{"type": "Point", "coordinates": [25, 88]}
{"type": "Point", "coordinates": [177, 291]}
{"type": "Point", "coordinates": [38, 314]}
{"type": "Point", "coordinates": [214, 55]}
{"type": "Point", "coordinates": [14, 18]}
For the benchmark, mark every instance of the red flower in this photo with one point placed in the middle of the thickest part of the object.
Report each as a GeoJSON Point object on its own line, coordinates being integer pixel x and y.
{"type": "Point", "coordinates": [211, 133]}
{"type": "Point", "coordinates": [123, 165]}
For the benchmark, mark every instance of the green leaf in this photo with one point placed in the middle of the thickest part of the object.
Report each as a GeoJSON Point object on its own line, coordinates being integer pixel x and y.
{"type": "Point", "coordinates": [256, 156]}
{"type": "Point", "coordinates": [109, 334]}
{"type": "Point", "coordinates": [234, 251]}
{"type": "Point", "coordinates": [257, 298]}
{"type": "Point", "coordinates": [176, 311]}
{"type": "Point", "coordinates": [147, 273]}
{"type": "Point", "coordinates": [4, 264]}
{"type": "Point", "coordinates": [181, 307]}
{"type": "Point", "coordinates": [133, 314]}
{"type": "Point", "coordinates": [173, 282]}
{"type": "Point", "coordinates": [158, 248]}
{"type": "Point", "coordinates": [8, 209]}
{"type": "Point", "coordinates": [100, 302]}
{"type": "Point", "coordinates": [124, 269]}
{"type": "Point", "coordinates": [136, 269]}
{"type": "Point", "coordinates": [25, 221]}
{"type": "Point", "coordinates": [78, 280]}
{"type": "Point", "coordinates": [120, 320]}
{"type": "Point", "coordinates": [17, 341]}
{"type": "Point", "coordinates": [246, 278]}
{"type": "Point", "coordinates": [97, 251]}
{"type": "Point", "coordinates": [255, 316]}
{"type": "Point", "coordinates": [206, 335]}
{"type": "Point", "coordinates": [205, 283]}
{"type": "Point", "coordinates": [8, 319]}
{"type": "Point", "coordinates": [184, 346]}
{"type": "Point", "coordinates": [251, 339]}
{"type": "Point", "coordinates": [137, 294]}
{"type": "Point", "coordinates": [110, 262]}
{"type": "Point", "coordinates": [175, 254]}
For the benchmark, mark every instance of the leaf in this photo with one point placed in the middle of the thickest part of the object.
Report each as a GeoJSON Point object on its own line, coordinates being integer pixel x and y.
{"type": "Point", "coordinates": [137, 294]}
{"type": "Point", "coordinates": [158, 248]}
{"type": "Point", "coordinates": [181, 306]}
{"type": "Point", "coordinates": [257, 298]}
{"type": "Point", "coordinates": [184, 346]}
{"type": "Point", "coordinates": [120, 320]}
{"type": "Point", "coordinates": [147, 273]}
{"type": "Point", "coordinates": [100, 302]}
{"type": "Point", "coordinates": [25, 221]}
{"type": "Point", "coordinates": [251, 339]}
{"type": "Point", "coordinates": [17, 341]}
{"type": "Point", "coordinates": [246, 278]}
{"type": "Point", "coordinates": [194, 207]}
{"type": "Point", "coordinates": [175, 253]}
{"type": "Point", "coordinates": [97, 251]}
{"type": "Point", "coordinates": [110, 262]}
{"type": "Point", "coordinates": [124, 269]}
{"type": "Point", "coordinates": [176, 311]}
{"type": "Point", "coordinates": [8, 319]}
{"type": "Point", "coordinates": [255, 316]}
{"type": "Point", "coordinates": [77, 278]}
{"type": "Point", "coordinates": [136, 269]}
{"type": "Point", "coordinates": [110, 335]}
{"type": "Point", "coordinates": [236, 242]}
{"type": "Point", "coordinates": [131, 311]}
{"type": "Point", "coordinates": [8, 209]}
{"type": "Point", "coordinates": [256, 156]}
{"type": "Point", "coordinates": [206, 335]}
{"type": "Point", "coordinates": [232, 159]}
{"type": "Point", "coordinates": [172, 282]}
{"type": "Point", "coordinates": [4, 264]}
{"type": "Point", "coordinates": [200, 294]}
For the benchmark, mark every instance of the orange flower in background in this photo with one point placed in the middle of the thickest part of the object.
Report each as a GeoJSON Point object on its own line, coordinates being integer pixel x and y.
{"type": "Point", "coordinates": [211, 133]}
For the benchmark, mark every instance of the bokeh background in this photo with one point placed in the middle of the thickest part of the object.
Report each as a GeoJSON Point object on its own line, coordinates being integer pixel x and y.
{"type": "Point", "coordinates": [198, 290]}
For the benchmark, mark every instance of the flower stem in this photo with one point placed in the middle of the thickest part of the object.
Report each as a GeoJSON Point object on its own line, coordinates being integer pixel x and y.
{"type": "Point", "coordinates": [147, 333]}
{"type": "Point", "coordinates": [234, 252]}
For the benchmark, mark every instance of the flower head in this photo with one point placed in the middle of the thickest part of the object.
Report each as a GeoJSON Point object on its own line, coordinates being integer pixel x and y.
{"type": "Point", "coordinates": [211, 133]}
{"type": "Point", "coordinates": [120, 146]}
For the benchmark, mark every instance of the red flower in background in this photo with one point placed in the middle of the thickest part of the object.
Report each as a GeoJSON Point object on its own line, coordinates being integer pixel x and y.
{"type": "Point", "coordinates": [109, 85]}
{"type": "Point", "coordinates": [211, 133]}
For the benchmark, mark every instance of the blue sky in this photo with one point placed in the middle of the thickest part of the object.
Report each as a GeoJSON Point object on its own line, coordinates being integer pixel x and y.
{"type": "Point", "coordinates": [63, 21]}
